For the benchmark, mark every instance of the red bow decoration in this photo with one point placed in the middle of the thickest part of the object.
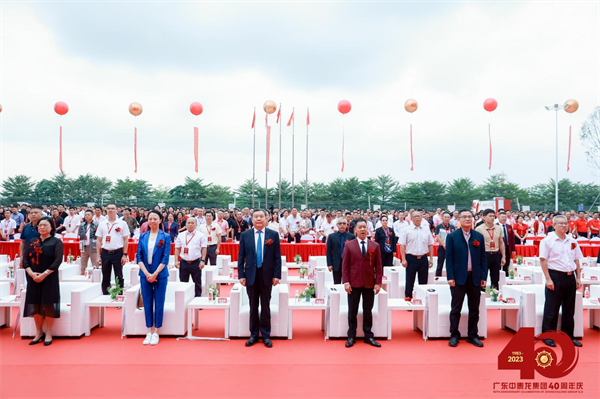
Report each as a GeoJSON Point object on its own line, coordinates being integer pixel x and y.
{"type": "Point", "coordinates": [161, 243]}
{"type": "Point", "coordinates": [269, 241]}
{"type": "Point", "coordinates": [476, 243]}
{"type": "Point", "coordinates": [573, 245]}
{"type": "Point", "coordinates": [118, 229]}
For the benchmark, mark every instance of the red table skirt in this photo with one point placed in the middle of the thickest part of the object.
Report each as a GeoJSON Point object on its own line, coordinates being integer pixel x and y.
{"type": "Point", "coordinates": [288, 250]}
{"type": "Point", "coordinates": [590, 250]}
{"type": "Point", "coordinates": [527, 250]}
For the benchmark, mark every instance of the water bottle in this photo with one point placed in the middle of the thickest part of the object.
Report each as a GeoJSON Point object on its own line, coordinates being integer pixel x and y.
{"type": "Point", "coordinates": [297, 296]}
{"type": "Point", "coordinates": [414, 294]}
{"type": "Point", "coordinates": [587, 293]}
{"type": "Point", "coordinates": [500, 295]}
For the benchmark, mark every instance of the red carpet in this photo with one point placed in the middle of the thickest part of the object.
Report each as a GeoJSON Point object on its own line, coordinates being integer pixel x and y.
{"type": "Point", "coordinates": [104, 366]}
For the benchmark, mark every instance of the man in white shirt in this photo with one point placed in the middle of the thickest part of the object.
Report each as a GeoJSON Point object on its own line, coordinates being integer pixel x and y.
{"type": "Point", "coordinates": [200, 217]}
{"type": "Point", "coordinates": [293, 224]}
{"type": "Point", "coordinates": [212, 232]}
{"type": "Point", "coordinates": [72, 221]}
{"type": "Point", "coordinates": [399, 224]}
{"type": "Point", "coordinates": [416, 242]}
{"type": "Point", "coordinates": [191, 245]}
{"type": "Point", "coordinates": [327, 227]}
{"type": "Point", "coordinates": [7, 227]}
{"type": "Point", "coordinates": [320, 219]}
{"type": "Point", "coordinates": [559, 257]}
{"type": "Point", "coordinates": [98, 216]}
{"type": "Point", "coordinates": [112, 242]}
{"type": "Point", "coordinates": [438, 217]}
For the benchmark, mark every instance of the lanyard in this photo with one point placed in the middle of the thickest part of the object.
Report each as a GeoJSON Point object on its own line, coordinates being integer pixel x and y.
{"type": "Point", "coordinates": [187, 242]}
{"type": "Point", "coordinates": [87, 231]}
{"type": "Point", "coordinates": [111, 227]}
{"type": "Point", "coordinates": [492, 233]}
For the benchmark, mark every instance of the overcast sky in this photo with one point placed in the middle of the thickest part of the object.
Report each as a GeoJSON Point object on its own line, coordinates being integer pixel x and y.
{"type": "Point", "coordinates": [99, 57]}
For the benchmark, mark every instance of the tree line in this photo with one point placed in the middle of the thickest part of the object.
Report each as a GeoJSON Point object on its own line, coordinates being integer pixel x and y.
{"type": "Point", "coordinates": [350, 193]}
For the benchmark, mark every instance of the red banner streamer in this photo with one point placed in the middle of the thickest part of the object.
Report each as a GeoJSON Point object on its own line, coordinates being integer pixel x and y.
{"type": "Point", "coordinates": [60, 151]}
{"type": "Point", "coordinates": [412, 164]}
{"type": "Point", "coordinates": [268, 146]}
{"type": "Point", "coordinates": [196, 147]}
{"type": "Point", "coordinates": [253, 119]}
{"type": "Point", "coordinates": [490, 138]}
{"type": "Point", "coordinates": [291, 119]}
{"type": "Point", "coordinates": [135, 148]}
{"type": "Point", "coordinates": [569, 156]}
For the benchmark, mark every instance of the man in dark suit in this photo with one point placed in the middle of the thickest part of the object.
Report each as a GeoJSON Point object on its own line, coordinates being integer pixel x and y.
{"type": "Point", "coordinates": [466, 270]}
{"type": "Point", "coordinates": [361, 272]}
{"type": "Point", "coordinates": [509, 238]}
{"type": "Point", "coordinates": [335, 249]}
{"type": "Point", "coordinates": [259, 269]}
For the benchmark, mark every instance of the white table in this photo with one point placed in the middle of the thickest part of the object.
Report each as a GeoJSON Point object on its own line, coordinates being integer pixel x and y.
{"type": "Point", "coordinates": [517, 281]}
{"type": "Point", "coordinates": [298, 280]}
{"type": "Point", "coordinates": [401, 304]}
{"type": "Point", "coordinates": [591, 305]}
{"type": "Point", "coordinates": [302, 304]}
{"type": "Point", "coordinates": [225, 280]}
{"type": "Point", "coordinates": [203, 303]}
{"type": "Point", "coordinates": [103, 302]}
{"type": "Point", "coordinates": [7, 303]}
{"type": "Point", "coordinates": [504, 307]}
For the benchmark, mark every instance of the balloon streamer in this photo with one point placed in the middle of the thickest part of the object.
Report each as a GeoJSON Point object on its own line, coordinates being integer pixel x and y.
{"type": "Point", "coordinates": [490, 138]}
{"type": "Point", "coordinates": [268, 146]}
{"type": "Point", "coordinates": [343, 140]}
{"type": "Point", "coordinates": [196, 147]}
{"type": "Point", "coordinates": [135, 148]}
{"type": "Point", "coordinates": [569, 156]}
{"type": "Point", "coordinates": [60, 165]}
{"type": "Point", "coordinates": [412, 163]}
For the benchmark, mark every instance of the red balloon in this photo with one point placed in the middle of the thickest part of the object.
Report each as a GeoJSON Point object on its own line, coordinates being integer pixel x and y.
{"type": "Point", "coordinates": [490, 104]}
{"type": "Point", "coordinates": [196, 108]}
{"type": "Point", "coordinates": [344, 106]}
{"type": "Point", "coordinates": [61, 108]}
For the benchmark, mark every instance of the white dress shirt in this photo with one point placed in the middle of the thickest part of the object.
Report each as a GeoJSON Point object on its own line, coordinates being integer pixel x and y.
{"type": "Point", "coordinates": [151, 244]}
{"type": "Point", "coordinates": [107, 229]}
{"type": "Point", "coordinates": [262, 240]}
{"type": "Point", "coordinates": [293, 223]}
{"type": "Point", "coordinates": [191, 245]}
{"type": "Point", "coordinates": [560, 254]}
{"type": "Point", "coordinates": [399, 226]}
{"type": "Point", "coordinates": [71, 223]}
{"type": "Point", "coordinates": [7, 226]}
{"type": "Point", "coordinates": [416, 239]}
{"type": "Point", "coordinates": [214, 235]}
{"type": "Point", "coordinates": [99, 219]}
{"type": "Point", "coordinates": [328, 228]}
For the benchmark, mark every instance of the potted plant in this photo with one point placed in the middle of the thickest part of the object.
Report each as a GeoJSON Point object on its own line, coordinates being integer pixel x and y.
{"type": "Point", "coordinates": [213, 292]}
{"type": "Point", "coordinates": [298, 259]}
{"type": "Point", "coordinates": [70, 257]}
{"type": "Point", "coordinates": [115, 289]}
{"type": "Point", "coordinates": [309, 292]}
{"type": "Point", "coordinates": [302, 271]}
{"type": "Point", "coordinates": [512, 274]}
{"type": "Point", "coordinates": [519, 259]}
{"type": "Point", "coordinates": [493, 293]}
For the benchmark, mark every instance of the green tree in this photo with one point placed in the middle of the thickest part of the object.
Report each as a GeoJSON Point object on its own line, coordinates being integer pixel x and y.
{"type": "Point", "coordinates": [461, 192]}
{"type": "Point", "coordinates": [128, 191]}
{"type": "Point", "coordinates": [384, 188]}
{"type": "Point", "coordinates": [192, 189]}
{"type": "Point", "coordinates": [17, 188]}
{"type": "Point", "coordinates": [89, 188]}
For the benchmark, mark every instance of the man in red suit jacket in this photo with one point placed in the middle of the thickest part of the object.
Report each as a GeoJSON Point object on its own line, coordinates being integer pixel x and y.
{"type": "Point", "coordinates": [509, 239]}
{"type": "Point", "coordinates": [361, 274]}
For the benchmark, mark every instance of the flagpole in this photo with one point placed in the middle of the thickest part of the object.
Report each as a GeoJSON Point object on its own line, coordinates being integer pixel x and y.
{"type": "Point", "coordinates": [293, 143]}
{"type": "Point", "coordinates": [253, 159]}
{"type": "Point", "coordinates": [280, 123]}
{"type": "Point", "coordinates": [306, 180]}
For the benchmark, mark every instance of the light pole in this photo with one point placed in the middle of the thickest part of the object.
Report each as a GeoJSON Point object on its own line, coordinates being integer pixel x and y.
{"type": "Point", "coordinates": [556, 108]}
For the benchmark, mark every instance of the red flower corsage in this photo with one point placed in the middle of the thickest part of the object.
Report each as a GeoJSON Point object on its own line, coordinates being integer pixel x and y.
{"type": "Point", "coordinates": [118, 229]}
{"type": "Point", "coordinates": [476, 243]}
{"type": "Point", "coordinates": [573, 245]}
{"type": "Point", "coordinates": [160, 243]}
{"type": "Point", "coordinates": [371, 250]}
{"type": "Point", "coordinates": [269, 241]}
{"type": "Point", "coordinates": [214, 228]}
{"type": "Point", "coordinates": [297, 222]}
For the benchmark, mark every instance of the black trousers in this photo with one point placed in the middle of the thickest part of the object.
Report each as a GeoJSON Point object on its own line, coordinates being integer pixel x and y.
{"type": "Point", "coordinates": [260, 294]}
{"type": "Point", "coordinates": [458, 297]}
{"type": "Point", "coordinates": [387, 259]}
{"type": "Point", "coordinates": [565, 289]}
{"type": "Point", "coordinates": [110, 262]}
{"type": "Point", "coordinates": [368, 298]}
{"type": "Point", "coordinates": [507, 264]}
{"type": "Point", "coordinates": [337, 276]}
{"type": "Point", "coordinates": [494, 259]}
{"type": "Point", "coordinates": [415, 266]}
{"type": "Point", "coordinates": [211, 255]}
{"type": "Point", "coordinates": [187, 269]}
{"type": "Point", "coordinates": [294, 237]}
{"type": "Point", "coordinates": [441, 255]}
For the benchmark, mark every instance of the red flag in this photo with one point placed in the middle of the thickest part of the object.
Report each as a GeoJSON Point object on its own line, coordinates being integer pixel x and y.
{"type": "Point", "coordinates": [412, 164]}
{"type": "Point", "coordinates": [307, 118]}
{"type": "Point", "coordinates": [291, 118]}
{"type": "Point", "coordinates": [268, 146]}
{"type": "Point", "coordinates": [569, 156]}
{"type": "Point", "coordinates": [278, 114]}
{"type": "Point", "coordinates": [253, 119]}
{"type": "Point", "coordinates": [196, 147]}
{"type": "Point", "coordinates": [60, 151]}
{"type": "Point", "coordinates": [490, 138]}
{"type": "Point", "coordinates": [135, 148]}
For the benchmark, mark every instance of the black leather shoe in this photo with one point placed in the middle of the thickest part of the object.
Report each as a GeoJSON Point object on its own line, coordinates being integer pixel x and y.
{"type": "Point", "coordinates": [475, 341]}
{"type": "Point", "coordinates": [372, 342]}
{"type": "Point", "coordinates": [577, 343]}
{"type": "Point", "coordinates": [37, 341]}
{"type": "Point", "coordinates": [550, 342]}
{"type": "Point", "coordinates": [251, 341]}
{"type": "Point", "coordinates": [453, 342]}
{"type": "Point", "coordinates": [350, 343]}
{"type": "Point", "coordinates": [47, 343]}
{"type": "Point", "coordinates": [268, 343]}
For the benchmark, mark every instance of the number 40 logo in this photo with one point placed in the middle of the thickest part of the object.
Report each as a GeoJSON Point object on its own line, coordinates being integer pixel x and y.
{"type": "Point", "coordinates": [528, 353]}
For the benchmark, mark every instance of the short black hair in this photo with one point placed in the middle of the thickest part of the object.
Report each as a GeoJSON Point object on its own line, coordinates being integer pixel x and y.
{"type": "Point", "coordinates": [487, 212]}
{"type": "Point", "coordinates": [89, 210]}
{"type": "Point", "coordinates": [37, 207]}
{"type": "Point", "coordinates": [52, 226]}
{"type": "Point", "coordinates": [160, 216]}
{"type": "Point", "coordinates": [465, 210]}
{"type": "Point", "coordinates": [209, 213]}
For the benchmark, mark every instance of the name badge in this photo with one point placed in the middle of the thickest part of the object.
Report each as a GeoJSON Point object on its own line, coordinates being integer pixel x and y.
{"type": "Point", "coordinates": [239, 230]}
{"type": "Point", "coordinates": [222, 300]}
{"type": "Point", "coordinates": [319, 301]}
{"type": "Point", "coordinates": [492, 244]}
{"type": "Point", "coordinates": [185, 251]}
{"type": "Point", "coordinates": [209, 238]}
{"type": "Point", "coordinates": [510, 300]}
{"type": "Point", "coordinates": [107, 239]}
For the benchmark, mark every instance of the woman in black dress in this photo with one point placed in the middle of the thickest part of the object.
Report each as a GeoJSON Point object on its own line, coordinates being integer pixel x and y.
{"type": "Point", "coordinates": [41, 261]}
{"type": "Point", "coordinates": [385, 237]}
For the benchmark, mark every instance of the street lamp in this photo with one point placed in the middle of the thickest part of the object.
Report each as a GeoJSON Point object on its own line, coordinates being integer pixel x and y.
{"type": "Point", "coordinates": [556, 108]}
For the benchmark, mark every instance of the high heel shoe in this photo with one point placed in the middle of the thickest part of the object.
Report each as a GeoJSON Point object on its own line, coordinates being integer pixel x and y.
{"type": "Point", "coordinates": [48, 343]}
{"type": "Point", "coordinates": [37, 341]}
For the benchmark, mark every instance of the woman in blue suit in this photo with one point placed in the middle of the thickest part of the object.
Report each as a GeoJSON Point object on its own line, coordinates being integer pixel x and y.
{"type": "Point", "coordinates": [153, 257]}
{"type": "Point", "coordinates": [171, 227]}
